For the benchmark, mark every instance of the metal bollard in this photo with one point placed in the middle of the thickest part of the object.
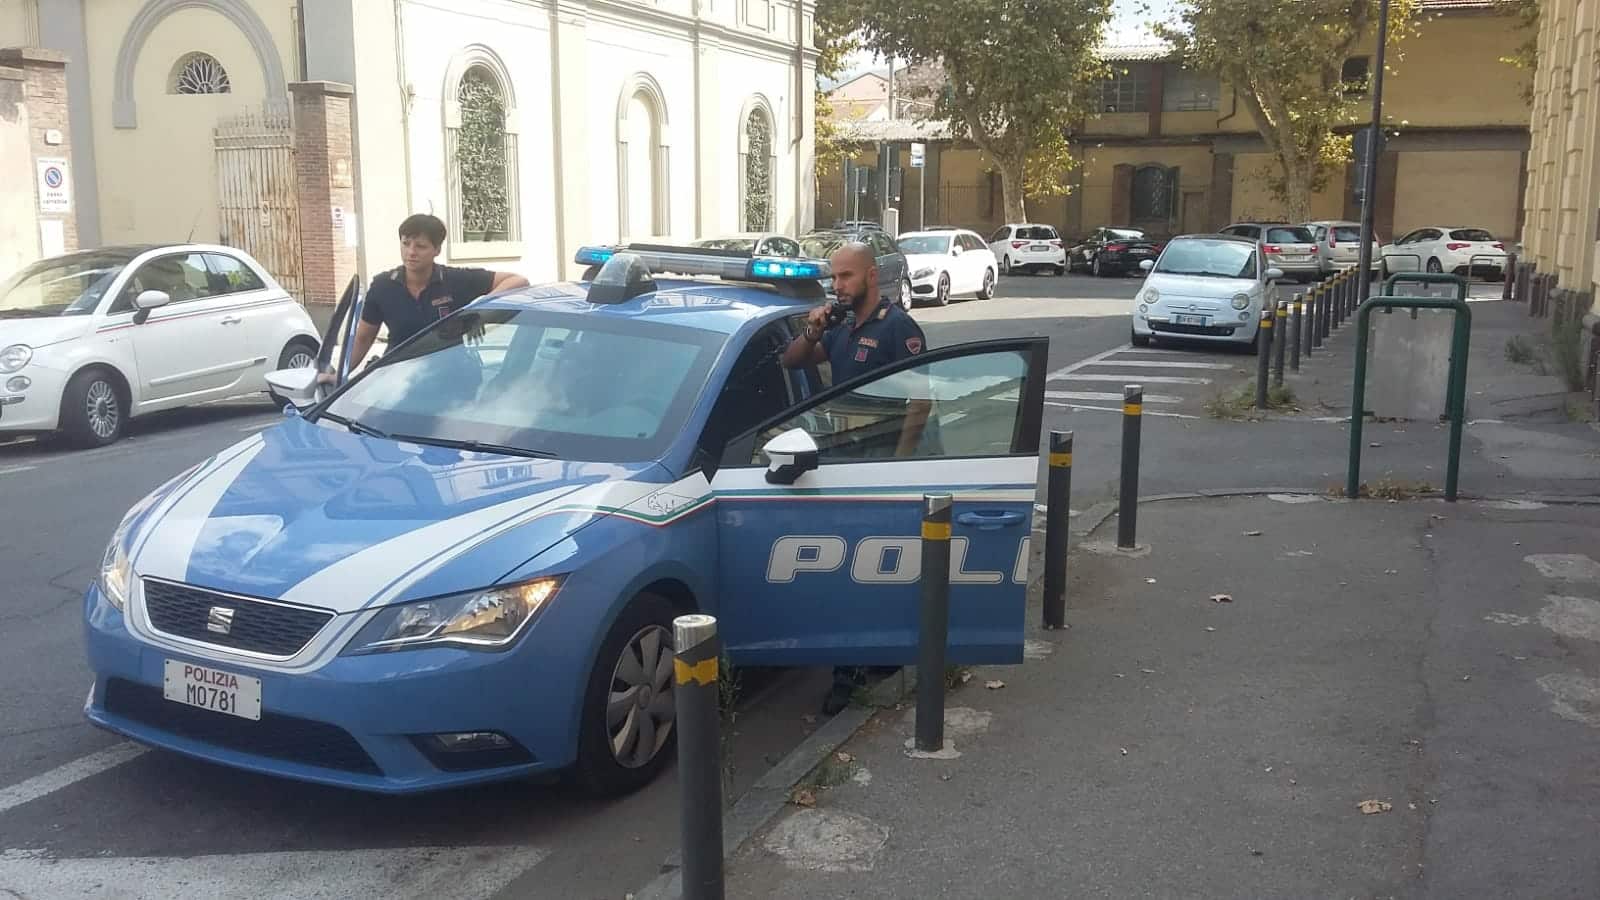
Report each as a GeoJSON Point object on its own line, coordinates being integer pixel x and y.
{"type": "Point", "coordinates": [1128, 502]}
{"type": "Point", "coordinates": [1280, 339]}
{"type": "Point", "coordinates": [1319, 302]}
{"type": "Point", "coordinates": [1327, 313]}
{"type": "Point", "coordinates": [697, 651]}
{"type": "Point", "coordinates": [935, 633]}
{"type": "Point", "coordinates": [1057, 527]}
{"type": "Point", "coordinates": [1340, 282]}
{"type": "Point", "coordinates": [1310, 326]}
{"type": "Point", "coordinates": [1510, 267]}
{"type": "Point", "coordinates": [1294, 332]}
{"type": "Point", "coordinates": [1263, 356]}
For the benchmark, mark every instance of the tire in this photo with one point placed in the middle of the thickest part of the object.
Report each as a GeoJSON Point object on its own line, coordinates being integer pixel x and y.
{"type": "Point", "coordinates": [1061, 270]}
{"type": "Point", "coordinates": [1096, 269]}
{"type": "Point", "coordinates": [1433, 266]}
{"type": "Point", "coordinates": [94, 409]}
{"type": "Point", "coordinates": [941, 294]}
{"type": "Point", "coordinates": [1005, 265]}
{"type": "Point", "coordinates": [299, 354]}
{"type": "Point", "coordinates": [1140, 340]}
{"type": "Point", "coordinates": [987, 290]}
{"type": "Point", "coordinates": [598, 768]}
{"type": "Point", "coordinates": [907, 299]}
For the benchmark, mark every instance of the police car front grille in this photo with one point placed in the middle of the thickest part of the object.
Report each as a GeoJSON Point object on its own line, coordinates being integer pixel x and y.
{"type": "Point", "coordinates": [274, 736]}
{"type": "Point", "coordinates": [256, 627]}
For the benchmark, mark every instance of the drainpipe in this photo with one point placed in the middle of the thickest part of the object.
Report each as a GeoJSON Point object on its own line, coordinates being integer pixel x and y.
{"type": "Point", "coordinates": [405, 97]}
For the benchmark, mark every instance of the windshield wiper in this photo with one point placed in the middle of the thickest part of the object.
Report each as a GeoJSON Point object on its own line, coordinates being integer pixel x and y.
{"type": "Point", "coordinates": [476, 446]}
{"type": "Point", "coordinates": [354, 425]}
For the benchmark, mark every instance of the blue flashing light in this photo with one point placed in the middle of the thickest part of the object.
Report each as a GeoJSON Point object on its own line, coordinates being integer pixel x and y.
{"type": "Point", "coordinates": [595, 256]}
{"type": "Point", "coordinates": [785, 268]}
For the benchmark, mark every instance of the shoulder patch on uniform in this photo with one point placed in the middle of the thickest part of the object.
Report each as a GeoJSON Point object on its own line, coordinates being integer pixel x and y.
{"type": "Point", "coordinates": [914, 344]}
{"type": "Point", "coordinates": [883, 312]}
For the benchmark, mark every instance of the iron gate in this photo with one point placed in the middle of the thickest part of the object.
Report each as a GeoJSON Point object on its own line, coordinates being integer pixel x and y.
{"type": "Point", "coordinates": [257, 205]}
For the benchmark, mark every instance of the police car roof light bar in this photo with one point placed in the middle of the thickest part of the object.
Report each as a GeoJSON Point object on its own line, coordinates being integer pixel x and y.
{"type": "Point", "coordinates": [727, 264]}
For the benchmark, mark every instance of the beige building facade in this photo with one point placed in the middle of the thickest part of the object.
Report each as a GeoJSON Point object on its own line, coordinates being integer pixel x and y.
{"type": "Point", "coordinates": [531, 127]}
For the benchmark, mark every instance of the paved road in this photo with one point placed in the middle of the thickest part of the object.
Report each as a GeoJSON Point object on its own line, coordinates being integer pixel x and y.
{"type": "Point", "coordinates": [80, 809]}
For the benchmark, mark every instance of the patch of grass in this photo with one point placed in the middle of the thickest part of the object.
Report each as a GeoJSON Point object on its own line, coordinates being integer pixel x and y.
{"type": "Point", "coordinates": [1567, 350]}
{"type": "Point", "coordinates": [1520, 351]}
{"type": "Point", "coordinates": [1240, 404]}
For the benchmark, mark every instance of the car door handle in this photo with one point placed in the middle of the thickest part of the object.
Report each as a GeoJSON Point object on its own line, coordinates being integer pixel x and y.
{"type": "Point", "coordinates": [990, 519]}
{"type": "Point", "coordinates": [231, 320]}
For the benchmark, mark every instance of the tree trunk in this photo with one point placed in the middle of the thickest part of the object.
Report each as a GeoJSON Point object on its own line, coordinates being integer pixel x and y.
{"type": "Point", "coordinates": [1011, 179]}
{"type": "Point", "coordinates": [1297, 188]}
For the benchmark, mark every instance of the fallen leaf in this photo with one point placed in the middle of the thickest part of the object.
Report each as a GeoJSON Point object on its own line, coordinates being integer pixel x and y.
{"type": "Point", "coordinates": [966, 677]}
{"type": "Point", "coordinates": [844, 757]}
{"type": "Point", "coordinates": [803, 797]}
{"type": "Point", "coordinates": [1391, 571]}
{"type": "Point", "coordinates": [1149, 581]}
{"type": "Point", "coordinates": [1411, 805]}
{"type": "Point", "coordinates": [1255, 852]}
{"type": "Point", "coordinates": [944, 777]}
{"type": "Point", "coordinates": [1269, 768]}
{"type": "Point", "coordinates": [1519, 658]}
{"type": "Point", "coordinates": [1124, 751]}
{"type": "Point", "coordinates": [1466, 678]}
{"type": "Point", "coordinates": [1221, 598]}
{"type": "Point", "coordinates": [1148, 671]}
{"type": "Point", "coordinates": [1375, 444]}
{"type": "Point", "coordinates": [1372, 807]}
{"type": "Point", "coordinates": [1293, 782]}
{"type": "Point", "coordinates": [1210, 628]}
{"type": "Point", "coordinates": [1119, 675]}
{"type": "Point", "coordinates": [1252, 534]}
{"type": "Point", "coordinates": [995, 685]}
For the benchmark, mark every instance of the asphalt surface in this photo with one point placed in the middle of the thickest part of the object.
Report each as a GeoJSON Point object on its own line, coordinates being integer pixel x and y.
{"type": "Point", "coordinates": [80, 809]}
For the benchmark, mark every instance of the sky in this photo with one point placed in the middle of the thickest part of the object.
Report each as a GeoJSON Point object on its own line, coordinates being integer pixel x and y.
{"type": "Point", "coordinates": [1127, 27]}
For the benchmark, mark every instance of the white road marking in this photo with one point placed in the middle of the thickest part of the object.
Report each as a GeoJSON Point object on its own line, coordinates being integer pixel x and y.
{"type": "Point", "coordinates": [1089, 361]}
{"type": "Point", "coordinates": [1107, 396]}
{"type": "Point", "coordinates": [434, 873]}
{"type": "Point", "coordinates": [65, 776]}
{"type": "Point", "coordinates": [1162, 364]}
{"type": "Point", "coordinates": [1118, 410]}
{"type": "Point", "coordinates": [1138, 378]}
{"type": "Point", "coordinates": [12, 470]}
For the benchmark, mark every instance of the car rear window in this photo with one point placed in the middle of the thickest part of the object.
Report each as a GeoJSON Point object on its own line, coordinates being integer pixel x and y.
{"type": "Point", "coordinates": [1289, 236]}
{"type": "Point", "coordinates": [1036, 233]}
{"type": "Point", "coordinates": [1471, 234]}
{"type": "Point", "coordinates": [1347, 233]}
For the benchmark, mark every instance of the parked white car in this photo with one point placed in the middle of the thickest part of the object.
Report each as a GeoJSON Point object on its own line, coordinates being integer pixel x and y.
{"type": "Point", "coordinates": [1023, 247]}
{"type": "Point", "coordinates": [1204, 287]}
{"type": "Point", "coordinates": [943, 263]}
{"type": "Point", "coordinates": [1339, 245]}
{"type": "Point", "coordinates": [1438, 248]}
{"type": "Point", "coordinates": [89, 340]}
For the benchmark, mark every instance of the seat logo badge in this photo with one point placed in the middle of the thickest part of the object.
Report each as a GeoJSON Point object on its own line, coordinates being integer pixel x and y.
{"type": "Point", "coordinates": [219, 620]}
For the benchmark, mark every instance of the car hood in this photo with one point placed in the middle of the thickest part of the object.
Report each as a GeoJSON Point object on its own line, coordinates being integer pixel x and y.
{"type": "Point", "coordinates": [43, 332]}
{"type": "Point", "coordinates": [307, 513]}
{"type": "Point", "coordinates": [918, 260]}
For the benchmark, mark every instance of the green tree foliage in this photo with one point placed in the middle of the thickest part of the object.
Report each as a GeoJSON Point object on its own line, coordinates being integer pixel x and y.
{"type": "Point", "coordinates": [835, 27]}
{"type": "Point", "coordinates": [1526, 55]}
{"type": "Point", "coordinates": [1285, 61]}
{"type": "Point", "coordinates": [1019, 74]}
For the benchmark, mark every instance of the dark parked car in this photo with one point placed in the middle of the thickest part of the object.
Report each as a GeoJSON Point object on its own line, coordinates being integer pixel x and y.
{"type": "Point", "coordinates": [1112, 251]}
{"type": "Point", "coordinates": [894, 275]}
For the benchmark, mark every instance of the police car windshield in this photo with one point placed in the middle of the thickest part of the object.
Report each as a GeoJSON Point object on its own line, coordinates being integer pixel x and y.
{"type": "Point", "coordinates": [574, 386]}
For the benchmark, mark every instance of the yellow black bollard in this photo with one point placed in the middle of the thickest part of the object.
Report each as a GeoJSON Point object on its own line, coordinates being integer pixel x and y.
{"type": "Point", "coordinates": [696, 694]}
{"type": "Point", "coordinates": [1057, 524]}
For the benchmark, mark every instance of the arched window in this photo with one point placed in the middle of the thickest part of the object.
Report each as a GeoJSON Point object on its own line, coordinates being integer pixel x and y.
{"type": "Point", "coordinates": [199, 73]}
{"type": "Point", "coordinates": [642, 160]}
{"type": "Point", "coordinates": [1155, 191]}
{"type": "Point", "coordinates": [481, 149]}
{"type": "Point", "coordinates": [757, 165]}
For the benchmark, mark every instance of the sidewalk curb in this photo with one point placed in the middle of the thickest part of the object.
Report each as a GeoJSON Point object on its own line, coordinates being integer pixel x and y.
{"type": "Point", "coordinates": [767, 797]}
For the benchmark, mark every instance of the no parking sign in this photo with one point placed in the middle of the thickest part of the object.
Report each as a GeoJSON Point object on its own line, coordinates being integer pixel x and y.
{"type": "Point", "coordinates": [55, 190]}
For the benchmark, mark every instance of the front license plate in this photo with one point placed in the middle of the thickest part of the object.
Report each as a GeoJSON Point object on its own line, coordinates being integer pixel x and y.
{"type": "Point", "coordinates": [1190, 320]}
{"type": "Point", "coordinates": [213, 689]}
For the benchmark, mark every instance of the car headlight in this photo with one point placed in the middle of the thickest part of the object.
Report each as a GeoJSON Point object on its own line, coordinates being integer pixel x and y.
{"type": "Point", "coordinates": [14, 357]}
{"type": "Point", "coordinates": [1151, 295]}
{"type": "Point", "coordinates": [489, 619]}
{"type": "Point", "coordinates": [925, 272]}
{"type": "Point", "coordinates": [1241, 301]}
{"type": "Point", "coordinates": [116, 573]}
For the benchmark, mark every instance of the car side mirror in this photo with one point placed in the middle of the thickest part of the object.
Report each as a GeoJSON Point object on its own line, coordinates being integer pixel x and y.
{"type": "Point", "coordinates": [790, 455]}
{"type": "Point", "coordinates": [148, 300]}
{"type": "Point", "coordinates": [1147, 264]}
{"type": "Point", "coordinates": [296, 387]}
{"type": "Point", "coordinates": [1274, 274]}
{"type": "Point", "coordinates": [957, 251]}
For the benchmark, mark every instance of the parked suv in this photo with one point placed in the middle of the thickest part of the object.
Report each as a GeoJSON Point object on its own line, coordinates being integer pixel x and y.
{"type": "Point", "coordinates": [1289, 248]}
{"type": "Point", "coordinates": [1024, 247]}
{"type": "Point", "coordinates": [894, 274]}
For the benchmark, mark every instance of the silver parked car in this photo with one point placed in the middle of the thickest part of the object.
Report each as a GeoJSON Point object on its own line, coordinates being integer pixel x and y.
{"type": "Point", "coordinates": [1291, 248]}
{"type": "Point", "coordinates": [1339, 245]}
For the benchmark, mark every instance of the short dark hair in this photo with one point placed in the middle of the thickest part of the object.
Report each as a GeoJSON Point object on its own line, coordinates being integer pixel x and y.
{"type": "Point", "coordinates": [423, 224]}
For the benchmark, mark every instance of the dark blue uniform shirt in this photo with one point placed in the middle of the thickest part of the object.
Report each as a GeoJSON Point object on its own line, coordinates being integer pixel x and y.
{"type": "Point", "coordinates": [887, 336]}
{"type": "Point", "coordinates": [389, 301]}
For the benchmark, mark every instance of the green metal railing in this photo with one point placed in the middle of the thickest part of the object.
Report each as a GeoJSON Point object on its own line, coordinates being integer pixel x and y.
{"type": "Point", "coordinates": [1456, 395]}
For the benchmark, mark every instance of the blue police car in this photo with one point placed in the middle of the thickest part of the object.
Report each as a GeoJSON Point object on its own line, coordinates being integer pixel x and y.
{"type": "Point", "coordinates": [463, 564]}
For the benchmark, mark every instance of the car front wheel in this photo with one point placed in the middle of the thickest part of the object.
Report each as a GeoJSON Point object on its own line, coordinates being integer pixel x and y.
{"type": "Point", "coordinates": [906, 298]}
{"type": "Point", "coordinates": [627, 732]}
{"type": "Point", "coordinates": [93, 409]}
{"type": "Point", "coordinates": [942, 292]}
{"type": "Point", "coordinates": [987, 290]}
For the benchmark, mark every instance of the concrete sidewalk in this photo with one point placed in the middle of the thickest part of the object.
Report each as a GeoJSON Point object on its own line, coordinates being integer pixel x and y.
{"type": "Point", "coordinates": [1437, 660]}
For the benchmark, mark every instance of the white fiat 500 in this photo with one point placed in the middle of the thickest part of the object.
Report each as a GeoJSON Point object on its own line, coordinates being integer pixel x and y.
{"type": "Point", "coordinates": [88, 340]}
{"type": "Point", "coordinates": [1208, 287]}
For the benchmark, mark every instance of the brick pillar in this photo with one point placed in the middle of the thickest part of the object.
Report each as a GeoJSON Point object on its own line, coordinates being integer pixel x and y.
{"type": "Point", "coordinates": [44, 91]}
{"type": "Point", "coordinates": [325, 176]}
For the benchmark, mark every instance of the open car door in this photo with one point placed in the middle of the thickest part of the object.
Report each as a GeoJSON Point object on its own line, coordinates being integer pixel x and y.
{"type": "Point", "coordinates": [819, 512]}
